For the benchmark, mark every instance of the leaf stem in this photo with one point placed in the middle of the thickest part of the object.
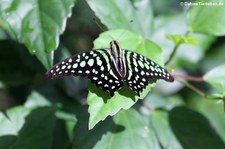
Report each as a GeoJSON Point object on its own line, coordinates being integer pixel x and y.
{"type": "Point", "coordinates": [175, 50]}
{"type": "Point", "coordinates": [198, 91]}
{"type": "Point", "coordinates": [190, 78]}
{"type": "Point", "coordinates": [215, 97]}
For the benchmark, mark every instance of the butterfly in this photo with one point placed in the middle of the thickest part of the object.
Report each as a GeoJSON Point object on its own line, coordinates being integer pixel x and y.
{"type": "Point", "coordinates": [109, 68]}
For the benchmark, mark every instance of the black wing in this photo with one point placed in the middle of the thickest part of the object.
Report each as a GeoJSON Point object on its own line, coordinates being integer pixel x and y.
{"type": "Point", "coordinates": [142, 70]}
{"type": "Point", "coordinates": [94, 65]}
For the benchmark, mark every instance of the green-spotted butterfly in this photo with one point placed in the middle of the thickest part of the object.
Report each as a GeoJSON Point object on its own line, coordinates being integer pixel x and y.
{"type": "Point", "coordinates": [109, 68]}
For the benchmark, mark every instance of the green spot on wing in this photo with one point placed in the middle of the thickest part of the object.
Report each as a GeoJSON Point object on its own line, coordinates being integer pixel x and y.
{"type": "Point", "coordinates": [64, 66]}
{"type": "Point", "coordinates": [141, 64]}
{"type": "Point", "coordinates": [75, 65]}
{"type": "Point", "coordinates": [146, 65]}
{"type": "Point", "coordinates": [91, 62]}
{"type": "Point", "coordinates": [82, 64]}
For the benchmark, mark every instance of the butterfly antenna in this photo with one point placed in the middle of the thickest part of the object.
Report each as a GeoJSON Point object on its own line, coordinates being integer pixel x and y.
{"type": "Point", "coordinates": [98, 25]}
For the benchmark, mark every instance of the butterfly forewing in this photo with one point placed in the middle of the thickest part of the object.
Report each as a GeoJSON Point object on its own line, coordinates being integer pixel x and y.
{"type": "Point", "coordinates": [141, 70]}
{"type": "Point", "coordinates": [94, 65]}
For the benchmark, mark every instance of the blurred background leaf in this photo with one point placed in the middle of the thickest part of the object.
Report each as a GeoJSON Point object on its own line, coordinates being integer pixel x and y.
{"type": "Point", "coordinates": [167, 24]}
{"type": "Point", "coordinates": [127, 130]}
{"type": "Point", "coordinates": [188, 134]}
{"type": "Point", "coordinates": [19, 119]}
{"type": "Point", "coordinates": [207, 19]}
{"type": "Point", "coordinates": [40, 35]}
{"type": "Point", "coordinates": [216, 77]}
{"type": "Point", "coordinates": [170, 116]}
{"type": "Point", "coordinates": [137, 17]}
{"type": "Point", "coordinates": [178, 39]}
{"type": "Point", "coordinates": [160, 125]}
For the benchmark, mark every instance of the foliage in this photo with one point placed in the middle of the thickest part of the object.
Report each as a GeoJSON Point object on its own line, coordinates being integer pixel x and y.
{"type": "Point", "coordinates": [69, 113]}
{"type": "Point", "coordinates": [102, 106]}
{"type": "Point", "coordinates": [40, 35]}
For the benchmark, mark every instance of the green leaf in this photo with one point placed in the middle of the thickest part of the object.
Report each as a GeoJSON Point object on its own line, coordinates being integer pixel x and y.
{"type": "Point", "coordinates": [212, 110]}
{"type": "Point", "coordinates": [12, 120]}
{"type": "Point", "coordinates": [37, 24]}
{"type": "Point", "coordinates": [136, 16]}
{"type": "Point", "coordinates": [131, 41]}
{"type": "Point", "coordinates": [193, 130]}
{"type": "Point", "coordinates": [216, 77]}
{"type": "Point", "coordinates": [100, 103]}
{"type": "Point", "coordinates": [22, 127]}
{"type": "Point", "coordinates": [167, 24]}
{"type": "Point", "coordinates": [160, 124]}
{"type": "Point", "coordinates": [70, 121]}
{"type": "Point", "coordinates": [164, 7]}
{"type": "Point", "coordinates": [157, 101]}
{"type": "Point", "coordinates": [35, 99]}
{"type": "Point", "coordinates": [179, 39]}
{"type": "Point", "coordinates": [213, 59]}
{"type": "Point", "coordinates": [134, 133]}
{"type": "Point", "coordinates": [207, 19]}
{"type": "Point", "coordinates": [126, 130]}
{"type": "Point", "coordinates": [5, 30]}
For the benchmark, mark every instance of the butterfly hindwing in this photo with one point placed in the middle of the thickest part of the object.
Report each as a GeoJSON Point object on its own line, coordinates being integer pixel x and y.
{"type": "Point", "coordinates": [142, 70]}
{"type": "Point", "coordinates": [93, 65]}
{"type": "Point", "coordinates": [105, 79]}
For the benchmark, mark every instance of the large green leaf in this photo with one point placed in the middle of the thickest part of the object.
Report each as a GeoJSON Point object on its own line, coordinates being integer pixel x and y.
{"type": "Point", "coordinates": [126, 130]}
{"type": "Point", "coordinates": [134, 133]}
{"type": "Point", "coordinates": [159, 101]}
{"type": "Point", "coordinates": [216, 77]}
{"type": "Point", "coordinates": [37, 24]}
{"type": "Point", "coordinates": [46, 95]}
{"type": "Point", "coordinates": [212, 110]}
{"type": "Point", "coordinates": [100, 103]}
{"type": "Point", "coordinates": [118, 14]}
{"type": "Point", "coordinates": [193, 130]}
{"type": "Point", "coordinates": [22, 127]}
{"type": "Point", "coordinates": [207, 19]}
{"type": "Point", "coordinates": [160, 125]}
{"type": "Point", "coordinates": [12, 120]}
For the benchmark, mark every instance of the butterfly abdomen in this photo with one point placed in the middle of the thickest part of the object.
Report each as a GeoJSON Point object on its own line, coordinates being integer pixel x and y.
{"type": "Point", "coordinates": [118, 60]}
